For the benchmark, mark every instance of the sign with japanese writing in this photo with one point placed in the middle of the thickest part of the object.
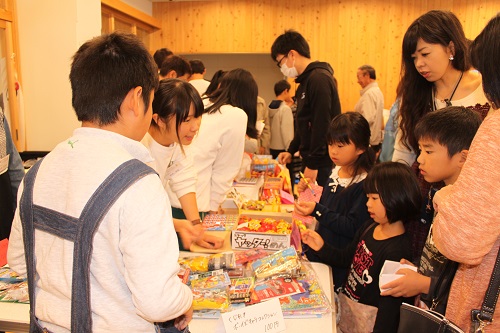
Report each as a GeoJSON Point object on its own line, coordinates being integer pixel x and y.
{"type": "Point", "coordinates": [265, 317]}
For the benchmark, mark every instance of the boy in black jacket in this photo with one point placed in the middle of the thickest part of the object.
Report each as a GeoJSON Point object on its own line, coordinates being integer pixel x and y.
{"type": "Point", "coordinates": [317, 104]}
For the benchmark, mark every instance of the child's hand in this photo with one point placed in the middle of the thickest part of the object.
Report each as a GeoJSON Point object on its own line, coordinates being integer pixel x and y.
{"type": "Point", "coordinates": [312, 238]}
{"type": "Point", "coordinates": [187, 232]}
{"type": "Point", "coordinates": [410, 284]}
{"type": "Point", "coordinates": [284, 158]}
{"type": "Point", "coordinates": [311, 175]}
{"type": "Point", "coordinates": [210, 241]}
{"type": "Point", "coordinates": [304, 207]}
{"type": "Point", "coordinates": [183, 321]}
{"type": "Point", "coordinates": [302, 185]}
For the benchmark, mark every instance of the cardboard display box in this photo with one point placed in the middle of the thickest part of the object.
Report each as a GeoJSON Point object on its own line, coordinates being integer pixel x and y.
{"type": "Point", "coordinates": [242, 240]}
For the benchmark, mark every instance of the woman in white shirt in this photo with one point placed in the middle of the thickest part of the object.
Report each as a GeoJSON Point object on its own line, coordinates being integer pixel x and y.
{"type": "Point", "coordinates": [230, 116]}
{"type": "Point", "coordinates": [177, 110]}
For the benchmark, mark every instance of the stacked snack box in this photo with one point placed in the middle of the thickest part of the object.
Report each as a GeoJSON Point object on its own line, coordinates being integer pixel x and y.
{"type": "Point", "coordinates": [265, 230]}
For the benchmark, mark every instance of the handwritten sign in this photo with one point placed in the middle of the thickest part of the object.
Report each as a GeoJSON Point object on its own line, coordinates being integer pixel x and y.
{"type": "Point", "coordinates": [266, 317]}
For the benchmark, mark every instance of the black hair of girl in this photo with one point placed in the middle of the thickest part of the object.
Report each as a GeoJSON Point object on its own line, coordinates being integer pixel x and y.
{"type": "Point", "coordinates": [214, 82]}
{"type": "Point", "coordinates": [238, 88]}
{"type": "Point", "coordinates": [434, 27]}
{"type": "Point", "coordinates": [173, 98]}
{"type": "Point", "coordinates": [352, 127]}
{"type": "Point", "coordinates": [398, 188]}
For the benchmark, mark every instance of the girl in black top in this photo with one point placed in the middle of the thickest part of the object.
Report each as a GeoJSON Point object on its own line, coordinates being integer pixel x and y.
{"type": "Point", "coordinates": [393, 198]}
{"type": "Point", "coordinates": [341, 210]}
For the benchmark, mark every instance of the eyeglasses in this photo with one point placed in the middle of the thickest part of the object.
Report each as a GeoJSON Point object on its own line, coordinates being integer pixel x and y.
{"type": "Point", "coordinates": [279, 62]}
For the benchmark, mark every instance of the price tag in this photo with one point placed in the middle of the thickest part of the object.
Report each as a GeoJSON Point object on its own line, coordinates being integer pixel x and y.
{"type": "Point", "coordinates": [266, 317]}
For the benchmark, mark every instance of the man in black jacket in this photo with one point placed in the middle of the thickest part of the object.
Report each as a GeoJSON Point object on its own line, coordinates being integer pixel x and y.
{"type": "Point", "coordinates": [317, 104]}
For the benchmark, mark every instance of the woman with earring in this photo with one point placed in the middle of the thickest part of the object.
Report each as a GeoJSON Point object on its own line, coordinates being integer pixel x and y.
{"type": "Point", "coordinates": [435, 73]}
{"type": "Point", "coordinates": [177, 111]}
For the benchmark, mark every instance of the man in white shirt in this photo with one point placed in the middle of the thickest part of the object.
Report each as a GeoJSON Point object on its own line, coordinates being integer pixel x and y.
{"type": "Point", "coordinates": [371, 104]}
{"type": "Point", "coordinates": [197, 78]}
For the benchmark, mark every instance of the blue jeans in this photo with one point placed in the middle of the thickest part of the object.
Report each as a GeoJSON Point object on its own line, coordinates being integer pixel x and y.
{"type": "Point", "coordinates": [168, 327]}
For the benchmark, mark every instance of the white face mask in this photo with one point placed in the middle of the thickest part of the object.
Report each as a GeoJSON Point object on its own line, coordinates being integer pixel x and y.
{"type": "Point", "coordinates": [289, 71]}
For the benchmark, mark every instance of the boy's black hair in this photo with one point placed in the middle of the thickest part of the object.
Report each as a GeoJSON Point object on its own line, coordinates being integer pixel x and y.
{"type": "Point", "coordinates": [160, 56]}
{"type": "Point", "coordinates": [453, 127]}
{"type": "Point", "coordinates": [197, 67]}
{"type": "Point", "coordinates": [290, 40]}
{"type": "Point", "coordinates": [281, 86]}
{"type": "Point", "coordinates": [352, 127]}
{"type": "Point", "coordinates": [104, 70]}
{"type": "Point", "coordinates": [173, 98]}
{"type": "Point", "coordinates": [175, 63]}
{"type": "Point", "coordinates": [398, 188]}
{"type": "Point", "coordinates": [485, 52]}
{"type": "Point", "coordinates": [238, 88]}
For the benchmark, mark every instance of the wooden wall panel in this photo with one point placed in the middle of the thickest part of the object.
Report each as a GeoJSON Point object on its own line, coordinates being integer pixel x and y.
{"type": "Point", "coordinates": [345, 33]}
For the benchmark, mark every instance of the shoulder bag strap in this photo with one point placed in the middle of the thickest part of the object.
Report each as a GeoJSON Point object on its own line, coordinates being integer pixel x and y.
{"type": "Point", "coordinates": [449, 271]}
{"type": "Point", "coordinates": [485, 315]}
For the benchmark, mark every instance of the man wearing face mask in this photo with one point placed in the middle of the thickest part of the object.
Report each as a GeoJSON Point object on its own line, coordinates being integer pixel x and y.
{"type": "Point", "coordinates": [317, 104]}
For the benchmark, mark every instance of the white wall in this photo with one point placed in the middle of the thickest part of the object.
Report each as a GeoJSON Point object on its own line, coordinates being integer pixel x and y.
{"type": "Point", "coordinates": [50, 32]}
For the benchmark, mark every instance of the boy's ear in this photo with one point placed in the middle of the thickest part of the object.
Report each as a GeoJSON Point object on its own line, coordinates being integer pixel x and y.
{"type": "Point", "coordinates": [136, 100]}
{"type": "Point", "coordinates": [171, 75]}
{"type": "Point", "coordinates": [463, 157]}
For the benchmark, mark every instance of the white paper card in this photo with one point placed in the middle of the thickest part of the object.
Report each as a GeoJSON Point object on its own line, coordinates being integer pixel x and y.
{"type": "Point", "coordinates": [388, 272]}
{"type": "Point", "coordinates": [265, 317]}
{"type": "Point", "coordinates": [260, 126]}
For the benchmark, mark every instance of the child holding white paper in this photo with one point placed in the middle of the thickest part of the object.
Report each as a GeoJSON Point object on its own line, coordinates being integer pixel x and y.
{"type": "Point", "coordinates": [444, 137]}
{"type": "Point", "coordinates": [393, 199]}
{"type": "Point", "coordinates": [341, 210]}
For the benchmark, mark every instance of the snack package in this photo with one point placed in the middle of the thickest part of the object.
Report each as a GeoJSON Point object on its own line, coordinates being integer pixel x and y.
{"type": "Point", "coordinates": [9, 276]}
{"type": "Point", "coordinates": [212, 281]}
{"type": "Point", "coordinates": [213, 262]}
{"type": "Point", "coordinates": [240, 289]}
{"type": "Point", "coordinates": [273, 288]}
{"type": "Point", "coordinates": [183, 274]}
{"type": "Point", "coordinates": [210, 299]}
{"type": "Point", "coordinates": [219, 222]}
{"type": "Point", "coordinates": [15, 292]}
{"type": "Point", "coordinates": [312, 302]}
{"type": "Point", "coordinates": [243, 257]}
{"type": "Point", "coordinates": [285, 261]}
{"type": "Point", "coordinates": [264, 225]}
{"type": "Point", "coordinates": [253, 205]}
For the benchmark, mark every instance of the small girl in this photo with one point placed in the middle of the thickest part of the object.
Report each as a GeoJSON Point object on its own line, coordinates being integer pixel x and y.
{"type": "Point", "coordinates": [393, 199]}
{"type": "Point", "coordinates": [342, 207]}
{"type": "Point", "coordinates": [177, 110]}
